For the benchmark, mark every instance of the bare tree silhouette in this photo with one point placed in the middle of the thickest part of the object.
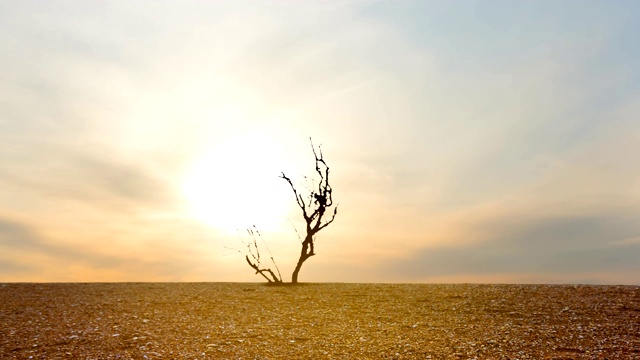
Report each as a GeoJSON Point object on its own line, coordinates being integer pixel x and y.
{"type": "Point", "coordinates": [315, 206]}
{"type": "Point", "coordinates": [318, 201]}
{"type": "Point", "coordinates": [253, 257]}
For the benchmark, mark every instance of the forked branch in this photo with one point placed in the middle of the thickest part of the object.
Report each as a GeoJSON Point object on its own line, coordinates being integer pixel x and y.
{"type": "Point", "coordinates": [262, 272]}
{"type": "Point", "coordinates": [254, 251]}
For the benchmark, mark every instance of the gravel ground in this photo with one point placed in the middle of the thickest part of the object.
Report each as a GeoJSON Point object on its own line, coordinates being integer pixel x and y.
{"type": "Point", "coordinates": [318, 321]}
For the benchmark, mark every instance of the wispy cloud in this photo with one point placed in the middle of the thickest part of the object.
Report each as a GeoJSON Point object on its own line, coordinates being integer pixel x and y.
{"type": "Point", "coordinates": [30, 255]}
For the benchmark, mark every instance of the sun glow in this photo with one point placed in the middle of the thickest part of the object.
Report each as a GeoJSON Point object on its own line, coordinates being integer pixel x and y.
{"type": "Point", "coordinates": [235, 185]}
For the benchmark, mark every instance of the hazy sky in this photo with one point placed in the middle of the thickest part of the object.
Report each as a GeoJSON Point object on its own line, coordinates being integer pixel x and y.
{"type": "Point", "coordinates": [469, 141]}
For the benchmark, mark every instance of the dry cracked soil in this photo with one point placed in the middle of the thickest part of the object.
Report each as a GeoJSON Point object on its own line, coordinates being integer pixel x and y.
{"type": "Point", "coordinates": [317, 321]}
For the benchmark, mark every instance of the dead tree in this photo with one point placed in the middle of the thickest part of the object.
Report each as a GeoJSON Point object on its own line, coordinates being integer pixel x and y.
{"type": "Point", "coordinates": [314, 207]}
{"type": "Point", "coordinates": [253, 257]}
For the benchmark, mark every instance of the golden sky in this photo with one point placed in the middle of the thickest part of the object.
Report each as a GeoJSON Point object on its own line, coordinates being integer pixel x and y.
{"type": "Point", "coordinates": [474, 141]}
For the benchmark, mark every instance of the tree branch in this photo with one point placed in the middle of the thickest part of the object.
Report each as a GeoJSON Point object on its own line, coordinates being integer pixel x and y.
{"type": "Point", "coordinates": [335, 212]}
{"type": "Point", "coordinates": [298, 197]}
{"type": "Point", "coordinates": [262, 271]}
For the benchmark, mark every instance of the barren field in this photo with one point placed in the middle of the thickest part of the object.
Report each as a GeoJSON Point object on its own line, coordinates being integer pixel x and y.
{"type": "Point", "coordinates": [318, 321]}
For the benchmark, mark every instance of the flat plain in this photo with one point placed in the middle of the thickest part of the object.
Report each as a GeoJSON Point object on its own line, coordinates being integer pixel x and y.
{"type": "Point", "coordinates": [317, 321]}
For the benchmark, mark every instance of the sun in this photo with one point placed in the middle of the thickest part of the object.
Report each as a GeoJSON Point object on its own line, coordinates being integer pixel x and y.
{"type": "Point", "coordinates": [234, 185]}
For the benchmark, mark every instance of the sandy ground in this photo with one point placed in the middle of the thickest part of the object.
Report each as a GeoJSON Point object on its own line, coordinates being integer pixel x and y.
{"type": "Point", "coordinates": [318, 321]}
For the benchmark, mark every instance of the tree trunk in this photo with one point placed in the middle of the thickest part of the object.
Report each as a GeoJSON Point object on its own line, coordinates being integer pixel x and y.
{"type": "Point", "coordinates": [305, 253]}
{"type": "Point", "coordinates": [294, 277]}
